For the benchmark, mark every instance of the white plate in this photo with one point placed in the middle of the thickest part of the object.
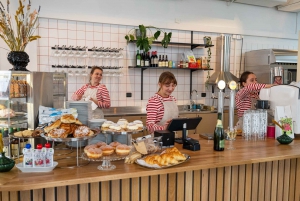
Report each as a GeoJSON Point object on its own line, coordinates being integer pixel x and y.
{"type": "Point", "coordinates": [36, 169]}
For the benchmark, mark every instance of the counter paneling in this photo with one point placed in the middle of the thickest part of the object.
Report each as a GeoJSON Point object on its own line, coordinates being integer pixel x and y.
{"type": "Point", "coordinates": [262, 170]}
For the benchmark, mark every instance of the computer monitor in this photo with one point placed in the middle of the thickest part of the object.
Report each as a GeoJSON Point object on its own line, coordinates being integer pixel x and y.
{"type": "Point", "coordinates": [177, 124]}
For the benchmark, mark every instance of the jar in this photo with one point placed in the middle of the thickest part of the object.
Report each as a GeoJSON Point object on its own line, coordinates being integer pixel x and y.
{"type": "Point", "coordinates": [199, 63]}
{"type": "Point", "coordinates": [170, 64]}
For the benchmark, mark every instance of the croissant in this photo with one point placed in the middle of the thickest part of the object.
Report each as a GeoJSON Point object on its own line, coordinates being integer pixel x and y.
{"type": "Point", "coordinates": [151, 160]}
{"type": "Point", "coordinates": [173, 149]}
{"type": "Point", "coordinates": [178, 156]}
{"type": "Point", "coordinates": [169, 158]}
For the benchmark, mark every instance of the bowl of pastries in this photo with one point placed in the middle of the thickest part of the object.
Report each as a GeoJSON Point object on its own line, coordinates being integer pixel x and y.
{"type": "Point", "coordinates": [114, 150]}
{"type": "Point", "coordinates": [122, 125]}
{"type": "Point", "coordinates": [68, 126]}
{"type": "Point", "coordinates": [28, 133]}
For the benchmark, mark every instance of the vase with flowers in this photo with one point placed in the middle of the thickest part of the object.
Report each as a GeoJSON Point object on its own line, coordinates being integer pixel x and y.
{"type": "Point", "coordinates": [17, 35]}
{"type": "Point", "coordinates": [286, 125]}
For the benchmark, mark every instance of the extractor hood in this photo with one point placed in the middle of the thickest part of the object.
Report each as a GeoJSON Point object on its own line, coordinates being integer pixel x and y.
{"type": "Point", "coordinates": [222, 61]}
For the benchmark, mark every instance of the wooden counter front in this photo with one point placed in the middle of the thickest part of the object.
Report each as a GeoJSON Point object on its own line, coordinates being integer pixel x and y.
{"type": "Point", "coordinates": [261, 170]}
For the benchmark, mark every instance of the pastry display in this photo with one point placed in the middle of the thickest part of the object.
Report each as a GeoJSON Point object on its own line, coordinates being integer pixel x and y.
{"type": "Point", "coordinates": [67, 118]}
{"type": "Point", "coordinates": [123, 150]}
{"type": "Point", "coordinates": [122, 125]}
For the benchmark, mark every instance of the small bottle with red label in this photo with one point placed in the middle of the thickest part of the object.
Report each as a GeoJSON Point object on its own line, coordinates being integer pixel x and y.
{"type": "Point", "coordinates": [39, 156]}
{"type": "Point", "coordinates": [49, 155]}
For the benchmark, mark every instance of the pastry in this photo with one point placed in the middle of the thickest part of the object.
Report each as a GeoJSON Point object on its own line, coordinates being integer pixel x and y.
{"type": "Point", "coordinates": [27, 133]}
{"type": "Point", "coordinates": [106, 124]}
{"type": "Point", "coordinates": [100, 144]}
{"type": "Point", "coordinates": [68, 118]}
{"type": "Point", "coordinates": [94, 152]}
{"type": "Point", "coordinates": [66, 127]}
{"type": "Point", "coordinates": [18, 134]}
{"type": "Point", "coordinates": [115, 127]}
{"type": "Point", "coordinates": [37, 133]}
{"type": "Point", "coordinates": [114, 144]}
{"type": "Point", "coordinates": [130, 159]}
{"type": "Point", "coordinates": [132, 126]}
{"type": "Point", "coordinates": [89, 146]}
{"type": "Point", "coordinates": [78, 122]}
{"type": "Point", "coordinates": [152, 160]}
{"type": "Point", "coordinates": [91, 133]}
{"type": "Point", "coordinates": [107, 150]}
{"type": "Point", "coordinates": [7, 113]}
{"type": "Point", "coordinates": [2, 107]}
{"type": "Point", "coordinates": [123, 150]}
{"type": "Point", "coordinates": [81, 131]}
{"type": "Point", "coordinates": [169, 158]}
{"type": "Point", "coordinates": [122, 121]}
{"type": "Point", "coordinates": [73, 128]}
{"type": "Point", "coordinates": [55, 124]}
{"type": "Point", "coordinates": [57, 133]}
{"type": "Point", "coordinates": [139, 124]}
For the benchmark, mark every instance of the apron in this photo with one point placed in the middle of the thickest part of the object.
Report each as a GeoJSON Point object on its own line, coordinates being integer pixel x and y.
{"type": "Point", "coordinates": [97, 113]}
{"type": "Point", "coordinates": [170, 112]}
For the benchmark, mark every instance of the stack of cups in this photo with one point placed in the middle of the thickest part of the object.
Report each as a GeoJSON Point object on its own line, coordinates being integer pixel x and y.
{"type": "Point", "coordinates": [255, 124]}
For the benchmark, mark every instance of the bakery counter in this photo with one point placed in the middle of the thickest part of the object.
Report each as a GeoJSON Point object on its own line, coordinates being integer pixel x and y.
{"type": "Point", "coordinates": [261, 170]}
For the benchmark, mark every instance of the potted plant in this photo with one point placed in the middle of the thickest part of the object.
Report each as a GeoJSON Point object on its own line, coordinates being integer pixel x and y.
{"type": "Point", "coordinates": [144, 42]}
{"type": "Point", "coordinates": [19, 36]}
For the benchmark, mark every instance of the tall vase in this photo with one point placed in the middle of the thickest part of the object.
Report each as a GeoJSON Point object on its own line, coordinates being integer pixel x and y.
{"type": "Point", "coordinates": [19, 60]}
{"type": "Point", "coordinates": [6, 164]}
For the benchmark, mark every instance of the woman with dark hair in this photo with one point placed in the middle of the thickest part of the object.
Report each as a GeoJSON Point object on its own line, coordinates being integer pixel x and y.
{"type": "Point", "coordinates": [248, 94]}
{"type": "Point", "coordinates": [97, 92]}
{"type": "Point", "coordinates": [162, 107]}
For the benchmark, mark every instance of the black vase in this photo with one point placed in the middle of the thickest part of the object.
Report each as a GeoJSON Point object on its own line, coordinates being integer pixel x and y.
{"type": "Point", "coordinates": [6, 164]}
{"type": "Point", "coordinates": [19, 60]}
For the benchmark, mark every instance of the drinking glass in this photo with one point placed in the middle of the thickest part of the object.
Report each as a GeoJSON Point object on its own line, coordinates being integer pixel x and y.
{"type": "Point", "coordinates": [56, 52]}
{"type": "Point", "coordinates": [231, 133]}
{"type": "Point", "coordinates": [255, 124]}
{"type": "Point", "coordinates": [247, 125]}
{"type": "Point", "coordinates": [64, 52]}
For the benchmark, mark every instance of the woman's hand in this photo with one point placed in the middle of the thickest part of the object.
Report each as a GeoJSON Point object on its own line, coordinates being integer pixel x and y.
{"type": "Point", "coordinates": [77, 97]}
{"type": "Point", "coordinates": [167, 123]}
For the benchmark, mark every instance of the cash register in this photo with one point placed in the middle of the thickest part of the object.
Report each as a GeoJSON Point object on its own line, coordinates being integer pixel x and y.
{"type": "Point", "coordinates": [177, 124]}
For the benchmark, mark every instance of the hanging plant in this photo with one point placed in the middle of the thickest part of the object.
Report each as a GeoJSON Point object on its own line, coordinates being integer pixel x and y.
{"type": "Point", "coordinates": [208, 44]}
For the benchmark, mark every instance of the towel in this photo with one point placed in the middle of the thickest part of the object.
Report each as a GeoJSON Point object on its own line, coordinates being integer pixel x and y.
{"type": "Point", "coordinates": [94, 106]}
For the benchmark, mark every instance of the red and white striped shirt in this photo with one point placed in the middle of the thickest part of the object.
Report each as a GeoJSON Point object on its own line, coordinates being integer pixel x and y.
{"type": "Point", "coordinates": [155, 112]}
{"type": "Point", "coordinates": [102, 94]}
{"type": "Point", "coordinates": [244, 95]}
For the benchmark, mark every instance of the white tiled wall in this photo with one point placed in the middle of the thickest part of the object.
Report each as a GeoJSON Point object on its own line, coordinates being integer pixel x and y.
{"type": "Point", "coordinates": [63, 32]}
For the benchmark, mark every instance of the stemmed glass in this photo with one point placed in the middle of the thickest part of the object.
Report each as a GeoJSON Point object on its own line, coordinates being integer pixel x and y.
{"type": "Point", "coordinates": [231, 133]}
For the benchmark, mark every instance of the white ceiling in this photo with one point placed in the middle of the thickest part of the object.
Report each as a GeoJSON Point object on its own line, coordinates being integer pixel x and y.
{"type": "Point", "coordinates": [281, 5]}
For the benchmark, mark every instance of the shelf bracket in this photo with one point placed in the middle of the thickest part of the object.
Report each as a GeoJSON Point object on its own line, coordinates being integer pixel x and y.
{"type": "Point", "coordinates": [142, 81]}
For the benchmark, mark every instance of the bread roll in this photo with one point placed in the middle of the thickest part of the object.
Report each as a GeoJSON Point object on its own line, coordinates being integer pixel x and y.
{"type": "Point", "coordinates": [54, 125]}
{"type": "Point", "coordinates": [27, 133]}
{"type": "Point", "coordinates": [68, 118]}
{"type": "Point", "coordinates": [18, 134]}
{"type": "Point", "coordinates": [66, 127]}
{"type": "Point", "coordinates": [58, 133]}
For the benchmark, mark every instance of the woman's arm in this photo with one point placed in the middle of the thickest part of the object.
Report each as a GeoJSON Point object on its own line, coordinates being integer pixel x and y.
{"type": "Point", "coordinates": [155, 112]}
{"type": "Point", "coordinates": [77, 95]}
{"type": "Point", "coordinates": [103, 98]}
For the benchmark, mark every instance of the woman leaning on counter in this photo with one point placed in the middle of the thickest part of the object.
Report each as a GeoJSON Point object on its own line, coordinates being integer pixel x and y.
{"type": "Point", "coordinates": [97, 92]}
{"type": "Point", "coordinates": [248, 94]}
{"type": "Point", "coordinates": [162, 107]}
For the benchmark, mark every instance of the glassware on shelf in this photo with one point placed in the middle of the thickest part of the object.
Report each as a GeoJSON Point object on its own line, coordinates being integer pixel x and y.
{"type": "Point", "coordinates": [64, 52]}
{"type": "Point", "coordinates": [56, 51]}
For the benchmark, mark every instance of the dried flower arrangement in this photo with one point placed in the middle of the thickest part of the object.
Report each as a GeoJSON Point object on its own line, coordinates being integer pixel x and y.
{"type": "Point", "coordinates": [26, 23]}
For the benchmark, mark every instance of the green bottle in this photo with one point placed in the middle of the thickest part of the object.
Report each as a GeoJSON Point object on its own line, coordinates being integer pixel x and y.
{"type": "Point", "coordinates": [138, 58]}
{"type": "Point", "coordinates": [219, 138]}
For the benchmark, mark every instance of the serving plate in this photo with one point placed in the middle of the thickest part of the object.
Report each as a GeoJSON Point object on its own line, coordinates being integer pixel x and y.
{"type": "Point", "coordinates": [113, 157]}
{"type": "Point", "coordinates": [141, 162]}
{"type": "Point", "coordinates": [36, 169]}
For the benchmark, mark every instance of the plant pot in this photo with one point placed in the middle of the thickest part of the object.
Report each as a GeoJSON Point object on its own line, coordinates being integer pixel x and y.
{"type": "Point", "coordinates": [19, 60]}
{"type": "Point", "coordinates": [284, 139]}
{"type": "Point", "coordinates": [6, 164]}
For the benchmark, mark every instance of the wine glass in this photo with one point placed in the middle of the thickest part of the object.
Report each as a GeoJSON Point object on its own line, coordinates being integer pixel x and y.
{"type": "Point", "coordinates": [231, 133]}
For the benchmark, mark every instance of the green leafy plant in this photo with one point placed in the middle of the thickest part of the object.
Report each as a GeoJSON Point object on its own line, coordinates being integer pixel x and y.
{"type": "Point", "coordinates": [208, 44]}
{"type": "Point", "coordinates": [144, 42]}
{"type": "Point", "coordinates": [26, 23]}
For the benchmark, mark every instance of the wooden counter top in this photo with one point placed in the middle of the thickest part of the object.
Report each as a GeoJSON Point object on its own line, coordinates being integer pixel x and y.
{"type": "Point", "coordinates": [246, 152]}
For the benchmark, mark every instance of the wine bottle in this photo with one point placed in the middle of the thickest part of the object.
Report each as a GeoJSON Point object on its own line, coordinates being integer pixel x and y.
{"type": "Point", "coordinates": [155, 59]}
{"type": "Point", "coordinates": [138, 58]}
{"type": "Point", "coordinates": [159, 61]}
{"type": "Point", "coordinates": [166, 61]}
{"type": "Point", "coordinates": [219, 138]}
{"type": "Point", "coordinates": [147, 60]}
{"type": "Point", "coordinates": [152, 59]}
{"type": "Point", "coordinates": [162, 61]}
{"type": "Point", "coordinates": [142, 60]}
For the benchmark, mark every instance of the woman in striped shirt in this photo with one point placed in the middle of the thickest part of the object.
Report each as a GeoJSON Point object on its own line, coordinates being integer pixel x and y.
{"type": "Point", "coordinates": [97, 92]}
{"type": "Point", "coordinates": [248, 94]}
{"type": "Point", "coordinates": [162, 107]}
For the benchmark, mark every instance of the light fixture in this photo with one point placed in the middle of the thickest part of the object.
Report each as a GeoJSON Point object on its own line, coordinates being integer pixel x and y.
{"type": "Point", "coordinates": [232, 85]}
{"type": "Point", "coordinates": [221, 84]}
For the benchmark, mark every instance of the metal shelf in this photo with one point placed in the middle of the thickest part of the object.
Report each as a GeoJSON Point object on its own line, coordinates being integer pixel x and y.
{"type": "Point", "coordinates": [144, 68]}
